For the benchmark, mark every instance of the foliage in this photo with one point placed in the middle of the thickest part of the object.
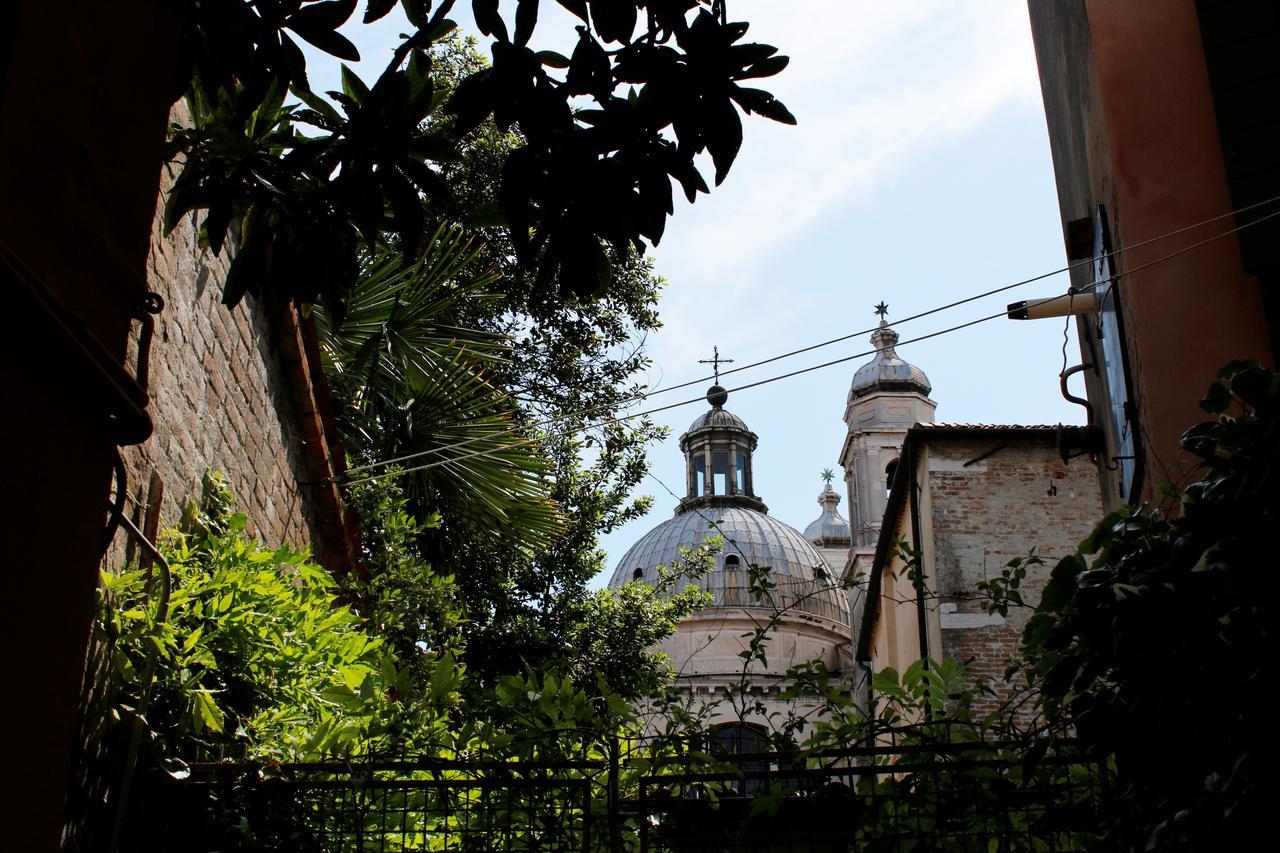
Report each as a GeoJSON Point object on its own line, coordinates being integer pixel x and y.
{"type": "Point", "coordinates": [255, 657]}
{"type": "Point", "coordinates": [414, 608]}
{"type": "Point", "coordinates": [444, 363]}
{"type": "Point", "coordinates": [1155, 641]}
{"type": "Point", "coordinates": [409, 383]}
{"type": "Point", "coordinates": [669, 88]}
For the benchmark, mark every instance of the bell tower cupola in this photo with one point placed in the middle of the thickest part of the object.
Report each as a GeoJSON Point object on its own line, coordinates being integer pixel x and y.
{"type": "Point", "coordinates": [887, 396]}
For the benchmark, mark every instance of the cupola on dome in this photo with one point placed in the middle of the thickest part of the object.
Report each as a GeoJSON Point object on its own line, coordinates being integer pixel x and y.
{"type": "Point", "coordinates": [888, 372]}
{"type": "Point", "coordinates": [720, 499]}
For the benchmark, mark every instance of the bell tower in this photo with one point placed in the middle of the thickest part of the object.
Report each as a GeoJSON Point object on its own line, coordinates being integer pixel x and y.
{"type": "Point", "coordinates": [887, 396]}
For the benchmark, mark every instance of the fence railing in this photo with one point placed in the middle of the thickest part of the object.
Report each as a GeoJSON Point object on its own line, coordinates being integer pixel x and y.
{"type": "Point", "coordinates": [939, 797]}
{"type": "Point", "coordinates": [952, 797]}
{"type": "Point", "coordinates": [378, 806]}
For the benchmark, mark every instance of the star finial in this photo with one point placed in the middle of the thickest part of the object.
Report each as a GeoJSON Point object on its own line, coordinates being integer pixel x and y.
{"type": "Point", "coordinates": [716, 361]}
{"type": "Point", "coordinates": [828, 475]}
{"type": "Point", "coordinates": [882, 310]}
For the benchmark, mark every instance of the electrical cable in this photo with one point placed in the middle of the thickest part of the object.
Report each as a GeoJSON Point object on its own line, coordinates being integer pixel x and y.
{"type": "Point", "coordinates": [648, 394]}
{"type": "Point", "coordinates": [690, 401]}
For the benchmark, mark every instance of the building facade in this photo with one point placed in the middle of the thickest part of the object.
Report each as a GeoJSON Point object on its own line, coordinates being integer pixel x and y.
{"type": "Point", "coordinates": [1161, 118]}
{"type": "Point", "coordinates": [966, 500]}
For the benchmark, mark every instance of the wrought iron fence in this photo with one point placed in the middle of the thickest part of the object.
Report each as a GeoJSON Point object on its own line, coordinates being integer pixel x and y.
{"type": "Point", "coordinates": [972, 796]}
{"type": "Point", "coordinates": [381, 806]}
{"type": "Point", "coordinates": [968, 796]}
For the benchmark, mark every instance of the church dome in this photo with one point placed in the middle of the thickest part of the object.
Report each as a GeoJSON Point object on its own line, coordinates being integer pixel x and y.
{"type": "Point", "coordinates": [804, 581]}
{"type": "Point", "coordinates": [888, 372]}
{"type": "Point", "coordinates": [830, 528]}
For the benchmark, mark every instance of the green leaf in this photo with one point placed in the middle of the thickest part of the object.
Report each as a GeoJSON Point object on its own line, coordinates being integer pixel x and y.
{"type": "Point", "coordinates": [175, 767]}
{"type": "Point", "coordinates": [205, 712]}
{"type": "Point", "coordinates": [352, 86]}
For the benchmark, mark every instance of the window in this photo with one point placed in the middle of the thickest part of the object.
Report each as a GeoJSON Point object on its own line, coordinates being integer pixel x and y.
{"type": "Point", "coordinates": [731, 561]}
{"type": "Point", "coordinates": [699, 476]}
{"type": "Point", "coordinates": [637, 574]}
{"type": "Point", "coordinates": [720, 472]}
{"type": "Point", "coordinates": [889, 471]}
{"type": "Point", "coordinates": [743, 739]}
{"type": "Point", "coordinates": [742, 473]}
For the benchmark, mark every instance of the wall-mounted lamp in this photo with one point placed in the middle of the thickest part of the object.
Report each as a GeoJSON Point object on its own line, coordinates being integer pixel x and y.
{"type": "Point", "coordinates": [1083, 302]}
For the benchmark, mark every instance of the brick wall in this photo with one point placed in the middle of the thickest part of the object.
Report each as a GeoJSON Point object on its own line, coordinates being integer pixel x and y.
{"type": "Point", "coordinates": [985, 512]}
{"type": "Point", "coordinates": [220, 396]}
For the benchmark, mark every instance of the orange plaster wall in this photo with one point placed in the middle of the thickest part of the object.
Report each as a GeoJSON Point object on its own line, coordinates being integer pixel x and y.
{"type": "Point", "coordinates": [1188, 316]}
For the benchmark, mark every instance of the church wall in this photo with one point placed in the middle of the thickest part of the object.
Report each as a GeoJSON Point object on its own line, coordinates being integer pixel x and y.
{"type": "Point", "coordinates": [984, 512]}
{"type": "Point", "coordinates": [704, 653]}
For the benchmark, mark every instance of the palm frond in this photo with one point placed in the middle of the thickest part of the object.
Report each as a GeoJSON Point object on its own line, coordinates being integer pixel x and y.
{"type": "Point", "coordinates": [408, 381]}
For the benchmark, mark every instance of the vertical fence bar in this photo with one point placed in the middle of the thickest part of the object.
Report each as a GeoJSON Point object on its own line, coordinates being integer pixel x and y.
{"type": "Point", "coordinates": [615, 824]}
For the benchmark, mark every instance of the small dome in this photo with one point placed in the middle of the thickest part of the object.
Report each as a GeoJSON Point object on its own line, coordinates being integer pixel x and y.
{"type": "Point", "coordinates": [804, 580]}
{"type": "Point", "coordinates": [718, 418]}
{"type": "Point", "coordinates": [830, 528]}
{"type": "Point", "coordinates": [888, 372]}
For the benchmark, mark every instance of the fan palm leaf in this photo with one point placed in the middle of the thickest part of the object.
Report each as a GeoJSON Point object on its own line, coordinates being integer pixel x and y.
{"type": "Point", "coordinates": [408, 381]}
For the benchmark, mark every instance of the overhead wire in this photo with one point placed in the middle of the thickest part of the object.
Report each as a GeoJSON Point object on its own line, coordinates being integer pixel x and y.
{"type": "Point", "coordinates": [630, 416]}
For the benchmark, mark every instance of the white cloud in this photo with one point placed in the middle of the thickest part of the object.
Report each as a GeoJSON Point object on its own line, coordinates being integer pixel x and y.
{"type": "Point", "coordinates": [875, 87]}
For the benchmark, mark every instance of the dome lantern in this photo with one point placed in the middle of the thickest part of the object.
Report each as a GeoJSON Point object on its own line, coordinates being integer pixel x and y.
{"type": "Point", "coordinates": [717, 450]}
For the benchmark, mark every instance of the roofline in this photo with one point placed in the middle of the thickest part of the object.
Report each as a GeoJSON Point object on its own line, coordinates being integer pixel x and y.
{"type": "Point", "coordinates": [1014, 431]}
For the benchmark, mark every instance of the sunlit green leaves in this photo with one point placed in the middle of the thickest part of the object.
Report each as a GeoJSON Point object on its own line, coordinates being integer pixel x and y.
{"type": "Point", "coordinates": [256, 659]}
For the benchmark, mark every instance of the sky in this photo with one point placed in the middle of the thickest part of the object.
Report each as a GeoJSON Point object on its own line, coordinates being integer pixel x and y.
{"type": "Point", "coordinates": [918, 173]}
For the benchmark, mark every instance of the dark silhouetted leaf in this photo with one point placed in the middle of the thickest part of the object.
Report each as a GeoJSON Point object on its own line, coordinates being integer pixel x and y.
{"type": "Point", "coordinates": [377, 9]}
{"type": "Point", "coordinates": [765, 68]}
{"type": "Point", "coordinates": [334, 44]}
{"type": "Point", "coordinates": [589, 69]}
{"type": "Point", "coordinates": [551, 59]}
{"type": "Point", "coordinates": [406, 208]}
{"type": "Point", "coordinates": [248, 269]}
{"type": "Point", "coordinates": [488, 19]}
{"type": "Point", "coordinates": [318, 24]}
{"type": "Point", "coordinates": [472, 101]}
{"type": "Point", "coordinates": [526, 19]}
{"type": "Point", "coordinates": [577, 7]}
{"type": "Point", "coordinates": [724, 138]}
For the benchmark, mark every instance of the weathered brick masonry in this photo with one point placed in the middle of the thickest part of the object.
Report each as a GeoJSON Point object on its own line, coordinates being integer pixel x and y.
{"type": "Point", "coordinates": [219, 395]}
{"type": "Point", "coordinates": [238, 391]}
{"type": "Point", "coordinates": [992, 500]}
{"type": "Point", "coordinates": [969, 499]}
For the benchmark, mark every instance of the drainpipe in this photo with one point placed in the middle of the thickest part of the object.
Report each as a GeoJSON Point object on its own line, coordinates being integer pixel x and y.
{"type": "Point", "coordinates": [918, 540]}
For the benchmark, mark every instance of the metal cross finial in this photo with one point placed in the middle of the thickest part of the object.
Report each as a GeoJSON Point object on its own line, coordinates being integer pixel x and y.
{"type": "Point", "coordinates": [716, 361]}
{"type": "Point", "coordinates": [882, 310]}
{"type": "Point", "coordinates": [828, 475]}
